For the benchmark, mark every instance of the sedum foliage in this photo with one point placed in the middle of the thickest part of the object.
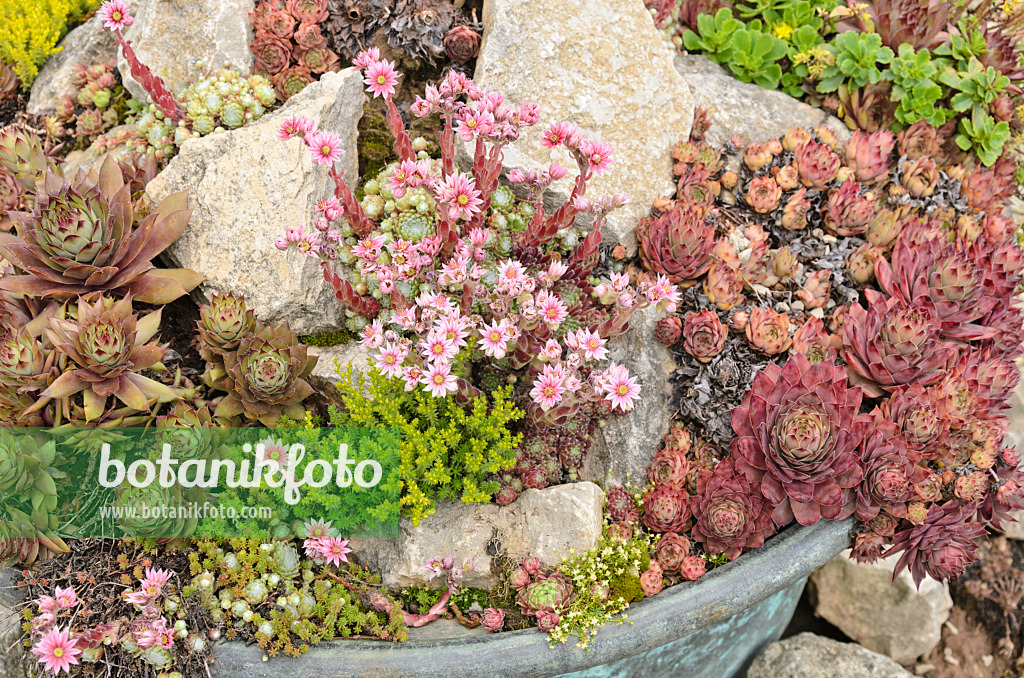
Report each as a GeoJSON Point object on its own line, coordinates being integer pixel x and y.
{"type": "Point", "coordinates": [448, 452]}
{"type": "Point", "coordinates": [31, 29]}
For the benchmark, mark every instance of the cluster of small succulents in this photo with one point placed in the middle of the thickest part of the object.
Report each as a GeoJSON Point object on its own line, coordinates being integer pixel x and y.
{"type": "Point", "coordinates": [98, 104]}
{"type": "Point", "coordinates": [872, 292]}
{"type": "Point", "coordinates": [426, 30]}
{"type": "Point", "coordinates": [8, 82]}
{"type": "Point", "coordinates": [544, 596]}
{"type": "Point", "coordinates": [288, 44]}
{"type": "Point", "coordinates": [261, 368]}
{"type": "Point", "coordinates": [27, 520]}
{"type": "Point", "coordinates": [221, 101]}
{"type": "Point", "coordinates": [440, 270]}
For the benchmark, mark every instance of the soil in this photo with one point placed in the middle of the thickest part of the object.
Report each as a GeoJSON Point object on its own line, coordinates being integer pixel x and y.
{"type": "Point", "coordinates": [10, 107]}
{"type": "Point", "coordinates": [984, 637]}
{"type": "Point", "coordinates": [178, 333]}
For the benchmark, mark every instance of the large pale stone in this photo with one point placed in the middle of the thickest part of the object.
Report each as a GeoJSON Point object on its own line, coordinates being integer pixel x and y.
{"type": "Point", "coordinates": [810, 656]}
{"type": "Point", "coordinates": [894, 618]}
{"type": "Point", "coordinates": [625, 445]}
{"type": "Point", "coordinates": [246, 187]}
{"type": "Point", "coordinates": [325, 377]}
{"type": "Point", "coordinates": [90, 44]}
{"type": "Point", "coordinates": [753, 113]}
{"type": "Point", "coordinates": [181, 39]}
{"type": "Point", "coordinates": [546, 523]}
{"type": "Point", "coordinates": [1015, 438]}
{"type": "Point", "coordinates": [601, 65]}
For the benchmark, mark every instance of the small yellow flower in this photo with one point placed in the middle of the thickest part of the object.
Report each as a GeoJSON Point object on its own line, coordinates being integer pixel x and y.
{"type": "Point", "coordinates": [782, 30]}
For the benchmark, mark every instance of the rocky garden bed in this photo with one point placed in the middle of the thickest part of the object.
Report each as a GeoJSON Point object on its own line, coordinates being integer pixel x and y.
{"type": "Point", "coordinates": [613, 323]}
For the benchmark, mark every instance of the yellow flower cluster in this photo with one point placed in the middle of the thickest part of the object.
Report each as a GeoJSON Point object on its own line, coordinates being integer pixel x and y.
{"type": "Point", "coordinates": [447, 451]}
{"type": "Point", "coordinates": [31, 29]}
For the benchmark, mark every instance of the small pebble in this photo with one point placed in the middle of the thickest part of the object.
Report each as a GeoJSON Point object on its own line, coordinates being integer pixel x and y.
{"type": "Point", "coordinates": [782, 307]}
{"type": "Point", "coordinates": [760, 290]}
{"type": "Point", "coordinates": [987, 660]}
{"type": "Point", "coordinates": [817, 232]}
{"type": "Point", "coordinates": [922, 669]}
{"type": "Point", "coordinates": [818, 313]}
{"type": "Point", "coordinates": [947, 654]}
{"type": "Point", "coordinates": [952, 629]}
{"type": "Point", "coordinates": [831, 239]}
{"type": "Point", "coordinates": [797, 305]}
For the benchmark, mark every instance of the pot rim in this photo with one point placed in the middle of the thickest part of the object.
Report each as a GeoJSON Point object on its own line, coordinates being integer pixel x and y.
{"type": "Point", "coordinates": [785, 560]}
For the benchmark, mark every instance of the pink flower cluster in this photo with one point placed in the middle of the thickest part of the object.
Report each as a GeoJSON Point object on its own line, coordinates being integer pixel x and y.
{"type": "Point", "coordinates": [331, 550]}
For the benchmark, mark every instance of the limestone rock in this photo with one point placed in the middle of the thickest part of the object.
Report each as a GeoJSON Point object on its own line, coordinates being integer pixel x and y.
{"type": "Point", "coordinates": [894, 618]}
{"type": "Point", "coordinates": [625, 445]}
{"type": "Point", "coordinates": [544, 523]}
{"type": "Point", "coordinates": [601, 65]}
{"type": "Point", "coordinates": [753, 113]}
{"type": "Point", "coordinates": [172, 37]}
{"type": "Point", "coordinates": [811, 656]}
{"type": "Point", "coordinates": [324, 377]}
{"type": "Point", "coordinates": [90, 44]}
{"type": "Point", "coordinates": [246, 187]}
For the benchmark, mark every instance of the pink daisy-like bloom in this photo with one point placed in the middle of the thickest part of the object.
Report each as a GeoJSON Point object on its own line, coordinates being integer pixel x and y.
{"type": "Point", "coordinates": [622, 389]}
{"type": "Point", "coordinates": [598, 154]}
{"type": "Point", "coordinates": [115, 15]}
{"type": "Point", "coordinates": [381, 79]}
{"type": "Point", "coordinates": [494, 340]}
{"type": "Point", "coordinates": [47, 604]}
{"type": "Point", "coordinates": [460, 194]}
{"type": "Point", "coordinates": [552, 310]}
{"type": "Point", "coordinates": [591, 345]}
{"type": "Point", "coordinates": [556, 269]}
{"type": "Point", "coordinates": [295, 126]}
{"type": "Point", "coordinates": [56, 651]}
{"type": "Point", "coordinates": [325, 147]}
{"type": "Point", "coordinates": [469, 123]}
{"type": "Point", "coordinates": [548, 389]}
{"type": "Point", "coordinates": [511, 270]}
{"type": "Point", "coordinates": [390, 359]}
{"type": "Point", "coordinates": [556, 134]}
{"type": "Point", "coordinates": [364, 59]}
{"type": "Point", "coordinates": [439, 380]}
{"type": "Point", "coordinates": [552, 350]}
{"type": "Point", "coordinates": [405, 317]}
{"type": "Point", "coordinates": [273, 454]}
{"type": "Point", "coordinates": [334, 550]}
{"type": "Point", "coordinates": [620, 281]}
{"type": "Point", "coordinates": [330, 208]}
{"type": "Point", "coordinates": [373, 335]}
{"type": "Point", "coordinates": [65, 598]}
{"type": "Point", "coordinates": [158, 577]}
{"type": "Point", "coordinates": [437, 347]}
{"type": "Point", "coordinates": [412, 375]}
{"type": "Point", "coordinates": [140, 598]}
{"type": "Point", "coordinates": [368, 248]}
{"type": "Point", "coordinates": [453, 327]}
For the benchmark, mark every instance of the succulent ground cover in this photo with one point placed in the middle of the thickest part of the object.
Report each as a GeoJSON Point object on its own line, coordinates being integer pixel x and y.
{"type": "Point", "coordinates": [878, 65]}
{"type": "Point", "coordinates": [866, 320]}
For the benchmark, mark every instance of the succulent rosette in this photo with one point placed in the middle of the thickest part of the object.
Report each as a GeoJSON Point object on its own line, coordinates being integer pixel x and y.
{"type": "Point", "coordinates": [869, 154]}
{"type": "Point", "coordinates": [677, 244]}
{"type": "Point", "coordinates": [919, 177]}
{"type": "Point", "coordinates": [462, 44]}
{"type": "Point", "coordinates": [24, 362]}
{"type": "Point", "coordinates": [80, 239]}
{"type": "Point", "coordinates": [666, 509]}
{"type": "Point", "coordinates": [318, 60]}
{"type": "Point", "coordinates": [618, 503]}
{"type": "Point", "coordinates": [768, 331]}
{"type": "Point", "coordinates": [796, 211]}
{"type": "Point", "coordinates": [669, 330]}
{"type": "Point", "coordinates": [1005, 496]}
{"type": "Point", "coordinates": [814, 342]}
{"type": "Point", "coordinates": [848, 211]}
{"type": "Point", "coordinates": [291, 81]}
{"type": "Point", "coordinates": [668, 466]}
{"type": "Point", "coordinates": [797, 432]}
{"type": "Point", "coordinates": [308, 11]}
{"type": "Point", "coordinates": [222, 325]}
{"type": "Point", "coordinates": [546, 594]}
{"type": "Point", "coordinates": [763, 194]}
{"type": "Point", "coordinates": [724, 286]}
{"type": "Point", "coordinates": [920, 414]}
{"type": "Point", "coordinates": [730, 513]}
{"type": "Point", "coordinates": [189, 431]}
{"type": "Point", "coordinates": [108, 345]}
{"type": "Point", "coordinates": [892, 343]}
{"type": "Point", "coordinates": [266, 377]}
{"type": "Point", "coordinates": [704, 335]}
{"type": "Point", "coordinates": [952, 279]}
{"type": "Point", "coordinates": [10, 192]}
{"type": "Point", "coordinates": [670, 551]}
{"type": "Point", "coordinates": [890, 471]}
{"type": "Point", "coordinates": [943, 545]}
{"type": "Point", "coordinates": [308, 36]}
{"type": "Point", "coordinates": [817, 164]}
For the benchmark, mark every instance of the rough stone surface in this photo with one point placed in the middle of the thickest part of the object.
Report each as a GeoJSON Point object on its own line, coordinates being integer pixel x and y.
{"type": "Point", "coordinates": [1015, 438]}
{"type": "Point", "coordinates": [811, 656]}
{"type": "Point", "coordinates": [172, 37]}
{"type": "Point", "coordinates": [246, 187]}
{"type": "Point", "coordinates": [89, 44]}
{"type": "Point", "coordinates": [601, 65]}
{"type": "Point", "coordinates": [893, 618]}
{"type": "Point", "coordinates": [746, 109]}
{"type": "Point", "coordinates": [625, 445]}
{"type": "Point", "coordinates": [14, 662]}
{"type": "Point", "coordinates": [545, 523]}
{"type": "Point", "coordinates": [324, 377]}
